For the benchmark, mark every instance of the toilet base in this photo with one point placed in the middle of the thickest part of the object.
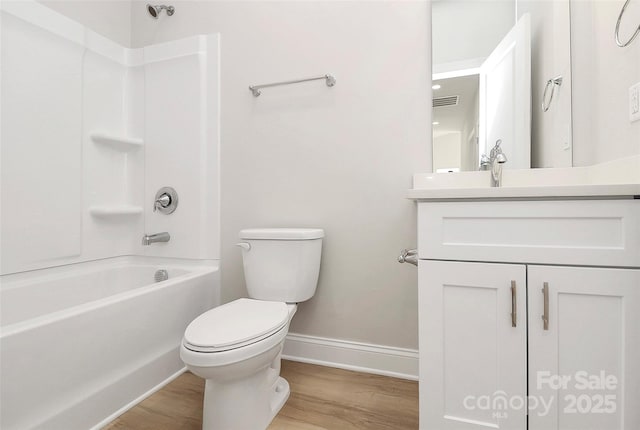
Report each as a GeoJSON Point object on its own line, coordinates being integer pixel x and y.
{"type": "Point", "coordinates": [282, 392]}
{"type": "Point", "coordinates": [248, 403]}
{"type": "Point", "coordinates": [220, 417]}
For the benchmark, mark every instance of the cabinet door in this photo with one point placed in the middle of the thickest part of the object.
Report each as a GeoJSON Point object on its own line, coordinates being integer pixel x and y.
{"type": "Point", "coordinates": [585, 366]}
{"type": "Point", "coordinates": [472, 357]}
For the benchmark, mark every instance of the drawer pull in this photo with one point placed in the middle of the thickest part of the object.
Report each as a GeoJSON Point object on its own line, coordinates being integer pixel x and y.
{"type": "Point", "coordinates": [514, 305]}
{"type": "Point", "coordinates": [545, 315]}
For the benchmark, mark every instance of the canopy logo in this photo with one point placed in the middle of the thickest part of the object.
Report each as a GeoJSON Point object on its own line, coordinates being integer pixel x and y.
{"type": "Point", "coordinates": [499, 403]}
{"type": "Point", "coordinates": [579, 393]}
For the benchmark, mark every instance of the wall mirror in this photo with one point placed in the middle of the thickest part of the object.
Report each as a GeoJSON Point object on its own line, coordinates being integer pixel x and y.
{"type": "Point", "coordinates": [545, 77]}
{"type": "Point", "coordinates": [492, 61]}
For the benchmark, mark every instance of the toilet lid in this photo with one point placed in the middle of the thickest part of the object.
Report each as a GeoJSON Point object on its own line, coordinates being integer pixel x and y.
{"type": "Point", "coordinates": [235, 324]}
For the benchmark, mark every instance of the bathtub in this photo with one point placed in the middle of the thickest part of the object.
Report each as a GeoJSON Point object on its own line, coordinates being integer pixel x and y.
{"type": "Point", "coordinates": [80, 344]}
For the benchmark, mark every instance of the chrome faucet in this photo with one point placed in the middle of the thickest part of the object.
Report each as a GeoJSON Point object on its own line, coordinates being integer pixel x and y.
{"type": "Point", "coordinates": [485, 163]}
{"type": "Point", "coordinates": [148, 239]}
{"type": "Point", "coordinates": [495, 162]}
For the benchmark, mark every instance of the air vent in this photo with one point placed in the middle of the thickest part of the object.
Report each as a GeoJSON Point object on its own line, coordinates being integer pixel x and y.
{"type": "Point", "coordinates": [445, 101]}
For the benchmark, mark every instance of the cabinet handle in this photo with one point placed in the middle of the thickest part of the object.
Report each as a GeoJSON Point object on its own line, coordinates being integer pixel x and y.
{"type": "Point", "coordinates": [514, 305]}
{"type": "Point", "coordinates": [545, 315]}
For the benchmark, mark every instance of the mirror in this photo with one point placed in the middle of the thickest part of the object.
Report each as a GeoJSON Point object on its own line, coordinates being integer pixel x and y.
{"type": "Point", "coordinates": [492, 61]}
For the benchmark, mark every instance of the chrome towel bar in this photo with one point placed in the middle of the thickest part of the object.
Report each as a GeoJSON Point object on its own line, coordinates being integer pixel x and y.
{"type": "Point", "coordinates": [329, 80]}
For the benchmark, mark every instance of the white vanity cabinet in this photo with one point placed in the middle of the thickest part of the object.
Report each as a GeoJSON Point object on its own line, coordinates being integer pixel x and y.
{"type": "Point", "coordinates": [488, 273]}
{"type": "Point", "coordinates": [592, 339]}
{"type": "Point", "coordinates": [469, 346]}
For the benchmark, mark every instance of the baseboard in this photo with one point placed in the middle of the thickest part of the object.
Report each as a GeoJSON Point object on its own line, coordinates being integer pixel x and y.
{"type": "Point", "coordinates": [361, 357]}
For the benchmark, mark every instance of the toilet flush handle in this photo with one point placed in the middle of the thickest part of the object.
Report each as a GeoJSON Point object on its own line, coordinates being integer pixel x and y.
{"type": "Point", "coordinates": [244, 245]}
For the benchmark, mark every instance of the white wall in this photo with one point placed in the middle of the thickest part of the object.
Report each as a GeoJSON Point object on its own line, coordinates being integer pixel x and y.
{"type": "Point", "coordinates": [602, 75]}
{"type": "Point", "coordinates": [339, 158]}
{"type": "Point", "coordinates": [550, 57]}
{"type": "Point", "coordinates": [447, 150]}
{"type": "Point", "coordinates": [111, 19]}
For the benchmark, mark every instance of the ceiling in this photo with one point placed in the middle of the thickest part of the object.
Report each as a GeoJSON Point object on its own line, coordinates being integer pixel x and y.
{"type": "Point", "coordinates": [452, 118]}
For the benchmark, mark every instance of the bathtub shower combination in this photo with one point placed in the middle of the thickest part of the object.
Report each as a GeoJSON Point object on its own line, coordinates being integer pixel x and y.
{"type": "Point", "coordinates": [91, 318]}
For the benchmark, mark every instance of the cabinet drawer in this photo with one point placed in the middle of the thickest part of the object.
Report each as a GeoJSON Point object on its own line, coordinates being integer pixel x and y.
{"type": "Point", "coordinates": [580, 232]}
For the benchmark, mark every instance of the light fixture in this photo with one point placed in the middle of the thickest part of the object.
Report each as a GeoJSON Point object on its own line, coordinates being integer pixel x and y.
{"type": "Point", "coordinates": [436, 87]}
{"type": "Point", "coordinates": [435, 123]}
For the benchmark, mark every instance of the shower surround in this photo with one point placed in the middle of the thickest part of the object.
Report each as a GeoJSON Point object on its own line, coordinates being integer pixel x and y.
{"type": "Point", "coordinates": [90, 132]}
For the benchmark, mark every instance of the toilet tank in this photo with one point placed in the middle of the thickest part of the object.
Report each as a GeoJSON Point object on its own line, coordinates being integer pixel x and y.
{"type": "Point", "coordinates": [281, 264]}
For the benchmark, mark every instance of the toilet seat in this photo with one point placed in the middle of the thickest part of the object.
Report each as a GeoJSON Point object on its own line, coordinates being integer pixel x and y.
{"type": "Point", "coordinates": [235, 324]}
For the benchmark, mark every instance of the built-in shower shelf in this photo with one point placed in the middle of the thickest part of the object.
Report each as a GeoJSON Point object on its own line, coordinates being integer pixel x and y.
{"type": "Point", "coordinates": [114, 211]}
{"type": "Point", "coordinates": [120, 143]}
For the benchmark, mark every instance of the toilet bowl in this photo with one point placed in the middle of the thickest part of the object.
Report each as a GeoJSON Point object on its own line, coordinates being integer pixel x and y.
{"type": "Point", "coordinates": [237, 347]}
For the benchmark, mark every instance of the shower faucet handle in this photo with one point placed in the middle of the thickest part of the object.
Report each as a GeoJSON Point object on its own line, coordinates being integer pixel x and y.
{"type": "Point", "coordinates": [162, 202]}
{"type": "Point", "coordinates": [166, 200]}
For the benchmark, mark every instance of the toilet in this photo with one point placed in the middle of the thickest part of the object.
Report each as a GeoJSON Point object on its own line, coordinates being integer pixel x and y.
{"type": "Point", "coordinates": [236, 347]}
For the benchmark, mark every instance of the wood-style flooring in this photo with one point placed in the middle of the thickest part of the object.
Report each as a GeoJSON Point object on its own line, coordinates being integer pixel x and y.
{"type": "Point", "coordinates": [322, 398]}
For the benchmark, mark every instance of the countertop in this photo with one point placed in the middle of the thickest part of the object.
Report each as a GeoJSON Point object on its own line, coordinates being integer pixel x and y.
{"type": "Point", "coordinates": [614, 179]}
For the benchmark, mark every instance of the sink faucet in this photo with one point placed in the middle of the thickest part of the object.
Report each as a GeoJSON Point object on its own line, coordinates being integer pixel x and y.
{"type": "Point", "coordinates": [496, 160]}
{"type": "Point", "coordinates": [148, 239]}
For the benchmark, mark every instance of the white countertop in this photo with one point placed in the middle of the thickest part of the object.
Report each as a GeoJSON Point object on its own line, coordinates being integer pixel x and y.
{"type": "Point", "coordinates": [619, 178]}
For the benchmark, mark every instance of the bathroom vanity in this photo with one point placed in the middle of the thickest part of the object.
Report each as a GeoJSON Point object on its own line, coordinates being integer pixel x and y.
{"type": "Point", "coordinates": [529, 300]}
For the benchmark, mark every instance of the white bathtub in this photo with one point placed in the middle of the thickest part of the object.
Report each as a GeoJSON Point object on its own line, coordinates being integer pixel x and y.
{"type": "Point", "coordinates": [80, 344]}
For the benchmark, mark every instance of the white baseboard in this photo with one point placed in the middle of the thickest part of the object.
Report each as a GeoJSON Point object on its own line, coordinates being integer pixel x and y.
{"type": "Point", "coordinates": [361, 357]}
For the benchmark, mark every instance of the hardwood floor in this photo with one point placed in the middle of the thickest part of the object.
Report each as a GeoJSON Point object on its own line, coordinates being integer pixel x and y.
{"type": "Point", "coordinates": [322, 398]}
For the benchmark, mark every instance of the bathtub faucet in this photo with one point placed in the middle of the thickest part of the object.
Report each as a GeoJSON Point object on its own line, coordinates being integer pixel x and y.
{"type": "Point", "coordinates": [148, 239]}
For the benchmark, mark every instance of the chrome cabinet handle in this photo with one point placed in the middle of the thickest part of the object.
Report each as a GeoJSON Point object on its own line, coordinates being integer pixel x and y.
{"type": "Point", "coordinates": [514, 305]}
{"type": "Point", "coordinates": [408, 256]}
{"type": "Point", "coordinates": [545, 315]}
{"type": "Point", "coordinates": [553, 83]}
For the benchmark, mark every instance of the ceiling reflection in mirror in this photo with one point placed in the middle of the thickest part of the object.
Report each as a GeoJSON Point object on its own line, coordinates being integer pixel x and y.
{"type": "Point", "coordinates": [491, 63]}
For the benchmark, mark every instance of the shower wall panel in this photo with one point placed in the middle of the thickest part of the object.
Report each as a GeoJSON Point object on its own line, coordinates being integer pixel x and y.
{"type": "Point", "coordinates": [69, 196]}
{"type": "Point", "coordinates": [41, 145]}
{"type": "Point", "coordinates": [181, 128]}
